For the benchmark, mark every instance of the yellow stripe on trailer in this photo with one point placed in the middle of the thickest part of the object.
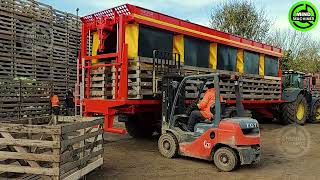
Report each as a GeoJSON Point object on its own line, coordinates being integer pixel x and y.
{"type": "Point", "coordinates": [240, 61]}
{"type": "Point", "coordinates": [178, 46]}
{"type": "Point", "coordinates": [131, 38]}
{"type": "Point", "coordinates": [213, 59]}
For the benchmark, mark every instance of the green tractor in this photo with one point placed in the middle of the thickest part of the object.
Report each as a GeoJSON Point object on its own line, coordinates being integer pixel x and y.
{"type": "Point", "coordinates": [302, 102]}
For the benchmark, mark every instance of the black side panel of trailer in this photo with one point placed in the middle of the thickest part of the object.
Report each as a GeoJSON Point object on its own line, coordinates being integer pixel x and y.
{"type": "Point", "coordinates": [227, 58]}
{"type": "Point", "coordinates": [271, 66]}
{"type": "Point", "coordinates": [153, 39]}
{"type": "Point", "coordinates": [251, 62]}
{"type": "Point", "coordinates": [196, 52]}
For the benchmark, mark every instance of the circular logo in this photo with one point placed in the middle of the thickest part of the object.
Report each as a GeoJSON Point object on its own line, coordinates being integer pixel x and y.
{"type": "Point", "coordinates": [303, 16]}
{"type": "Point", "coordinates": [294, 141]}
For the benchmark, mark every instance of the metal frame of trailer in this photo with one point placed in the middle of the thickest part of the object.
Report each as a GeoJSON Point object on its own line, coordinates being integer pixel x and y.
{"type": "Point", "coordinates": [122, 15]}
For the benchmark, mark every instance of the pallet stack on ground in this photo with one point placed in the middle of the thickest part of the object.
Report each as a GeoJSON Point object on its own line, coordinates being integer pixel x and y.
{"type": "Point", "coordinates": [23, 99]}
{"type": "Point", "coordinates": [38, 42]}
{"type": "Point", "coordinates": [68, 149]}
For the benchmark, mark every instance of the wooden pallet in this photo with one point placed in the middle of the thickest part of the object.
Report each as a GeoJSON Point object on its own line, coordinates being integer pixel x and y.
{"type": "Point", "coordinates": [254, 87]}
{"type": "Point", "coordinates": [23, 99]}
{"type": "Point", "coordinates": [35, 38]}
{"type": "Point", "coordinates": [69, 149]}
{"type": "Point", "coordinates": [139, 79]}
{"type": "Point", "coordinates": [101, 85]}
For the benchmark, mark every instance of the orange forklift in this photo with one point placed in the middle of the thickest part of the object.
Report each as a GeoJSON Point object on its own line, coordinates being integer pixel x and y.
{"type": "Point", "coordinates": [228, 140]}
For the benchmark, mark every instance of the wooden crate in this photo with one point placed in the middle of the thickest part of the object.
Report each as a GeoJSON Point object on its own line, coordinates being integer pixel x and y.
{"type": "Point", "coordinates": [139, 79]}
{"type": "Point", "coordinates": [254, 87]}
{"type": "Point", "coordinates": [69, 149]}
{"type": "Point", "coordinates": [38, 42]}
{"type": "Point", "coordinates": [101, 85]}
{"type": "Point", "coordinates": [21, 99]}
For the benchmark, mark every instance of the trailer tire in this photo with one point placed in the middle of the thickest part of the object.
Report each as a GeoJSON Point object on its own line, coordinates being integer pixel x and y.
{"type": "Point", "coordinates": [295, 112]}
{"type": "Point", "coordinates": [315, 113]}
{"type": "Point", "coordinates": [138, 127]}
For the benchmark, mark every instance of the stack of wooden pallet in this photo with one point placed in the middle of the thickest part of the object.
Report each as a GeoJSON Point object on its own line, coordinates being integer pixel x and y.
{"type": "Point", "coordinates": [23, 99]}
{"type": "Point", "coordinates": [38, 42]}
{"type": "Point", "coordinates": [66, 148]}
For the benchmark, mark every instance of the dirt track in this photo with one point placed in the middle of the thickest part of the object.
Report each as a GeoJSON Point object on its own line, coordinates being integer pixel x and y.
{"type": "Point", "coordinates": [287, 153]}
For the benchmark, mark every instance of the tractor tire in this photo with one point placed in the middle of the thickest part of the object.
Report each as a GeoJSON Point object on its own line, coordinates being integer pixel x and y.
{"type": "Point", "coordinates": [138, 127]}
{"type": "Point", "coordinates": [168, 145]}
{"type": "Point", "coordinates": [295, 112]}
{"type": "Point", "coordinates": [226, 159]}
{"type": "Point", "coordinates": [315, 113]}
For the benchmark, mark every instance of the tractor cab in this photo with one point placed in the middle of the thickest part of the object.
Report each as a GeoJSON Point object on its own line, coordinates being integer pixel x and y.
{"type": "Point", "coordinates": [293, 79]}
{"type": "Point", "coordinates": [226, 141]}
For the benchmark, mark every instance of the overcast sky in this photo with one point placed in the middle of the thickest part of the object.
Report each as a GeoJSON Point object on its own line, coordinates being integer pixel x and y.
{"type": "Point", "coordinates": [197, 11]}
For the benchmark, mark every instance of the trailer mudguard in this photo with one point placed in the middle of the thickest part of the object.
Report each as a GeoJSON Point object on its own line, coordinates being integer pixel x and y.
{"type": "Point", "coordinates": [290, 94]}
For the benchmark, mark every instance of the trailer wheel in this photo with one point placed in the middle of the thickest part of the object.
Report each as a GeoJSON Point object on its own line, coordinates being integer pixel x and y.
{"type": "Point", "coordinates": [226, 159]}
{"type": "Point", "coordinates": [295, 112]}
{"type": "Point", "coordinates": [139, 127]}
{"type": "Point", "coordinates": [168, 145]}
{"type": "Point", "coordinates": [315, 113]}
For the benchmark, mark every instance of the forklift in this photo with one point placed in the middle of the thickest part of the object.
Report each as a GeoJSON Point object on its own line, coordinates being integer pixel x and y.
{"type": "Point", "coordinates": [226, 140]}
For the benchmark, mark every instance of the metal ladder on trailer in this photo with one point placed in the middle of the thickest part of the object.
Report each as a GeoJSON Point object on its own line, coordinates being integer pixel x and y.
{"type": "Point", "coordinates": [164, 63]}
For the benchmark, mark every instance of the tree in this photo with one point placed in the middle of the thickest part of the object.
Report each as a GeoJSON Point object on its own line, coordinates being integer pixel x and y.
{"type": "Point", "coordinates": [301, 51]}
{"type": "Point", "coordinates": [242, 18]}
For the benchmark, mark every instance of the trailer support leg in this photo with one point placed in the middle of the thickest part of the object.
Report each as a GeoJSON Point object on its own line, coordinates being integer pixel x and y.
{"type": "Point", "coordinates": [108, 122]}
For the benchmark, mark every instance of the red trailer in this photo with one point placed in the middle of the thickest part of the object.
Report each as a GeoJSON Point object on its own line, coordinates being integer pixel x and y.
{"type": "Point", "coordinates": [118, 44]}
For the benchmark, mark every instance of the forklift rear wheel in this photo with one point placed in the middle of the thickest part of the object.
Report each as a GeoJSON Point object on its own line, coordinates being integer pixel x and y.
{"type": "Point", "coordinates": [315, 113]}
{"type": "Point", "coordinates": [225, 159]}
{"type": "Point", "coordinates": [168, 145]}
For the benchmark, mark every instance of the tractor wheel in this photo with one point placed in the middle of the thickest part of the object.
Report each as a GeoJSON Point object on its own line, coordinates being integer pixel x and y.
{"type": "Point", "coordinates": [168, 145]}
{"type": "Point", "coordinates": [315, 113]}
{"type": "Point", "coordinates": [295, 112]}
{"type": "Point", "coordinates": [226, 159]}
{"type": "Point", "coordinates": [139, 127]}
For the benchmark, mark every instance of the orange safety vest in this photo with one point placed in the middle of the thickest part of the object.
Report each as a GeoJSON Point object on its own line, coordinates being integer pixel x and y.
{"type": "Point", "coordinates": [54, 100]}
{"type": "Point", "coordinates": [208, 100]}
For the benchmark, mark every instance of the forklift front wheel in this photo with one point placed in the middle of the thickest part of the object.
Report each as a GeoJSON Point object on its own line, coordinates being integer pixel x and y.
{"type": "Point", "coordinates": [225, 159]}
{"type": "Point", "coordinates": [168, 145]}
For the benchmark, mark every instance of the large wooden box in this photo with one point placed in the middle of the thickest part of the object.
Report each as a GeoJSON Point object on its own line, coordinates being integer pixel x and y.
{"type": "Point", "coordinates": [68, 150]}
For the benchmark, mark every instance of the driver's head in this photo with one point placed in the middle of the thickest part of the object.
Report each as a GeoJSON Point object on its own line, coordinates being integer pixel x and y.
{"type": "Point", "coordinates": [210, 86]}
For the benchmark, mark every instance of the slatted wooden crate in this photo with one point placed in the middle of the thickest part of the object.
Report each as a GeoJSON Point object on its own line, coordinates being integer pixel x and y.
{"type": "Point", "coordinates": [69, 149]}
{"type": "Point", "coordinates": [139, 79]}
{"type": "Point", "coordinates": [254, 87]}
{"type": "Point", "coordinates": [21, 99]}
{"type": "Point", "coordinates": [101, 83]}
{"type": "Point", "coordinates": [38, 42]}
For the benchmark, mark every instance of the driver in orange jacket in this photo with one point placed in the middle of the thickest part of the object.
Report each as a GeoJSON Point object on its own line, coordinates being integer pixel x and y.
{"type": "Point", "coordinates": [204, 108]}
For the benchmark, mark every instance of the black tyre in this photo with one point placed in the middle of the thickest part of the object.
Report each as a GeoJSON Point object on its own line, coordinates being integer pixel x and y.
{"type": "Point", "coordinates": [295, 112]}
{"type": "Point", "coordinates": [226, 159]}
{"type": "Point", "coordinates": [139, 127]}
{"type": "Point", "coordinates": [168, 145]}
{"type": "Point", "coordinates": [315, 113]}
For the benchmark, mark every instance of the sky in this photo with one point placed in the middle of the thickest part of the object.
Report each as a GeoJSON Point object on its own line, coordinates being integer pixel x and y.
{"type": "Point", "coordinates": [197, 11]}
